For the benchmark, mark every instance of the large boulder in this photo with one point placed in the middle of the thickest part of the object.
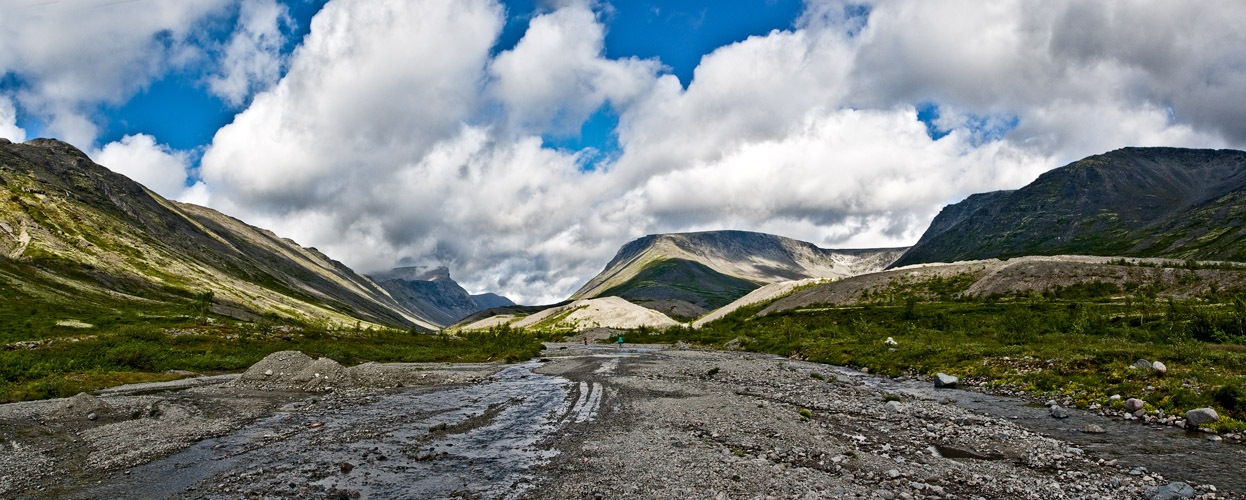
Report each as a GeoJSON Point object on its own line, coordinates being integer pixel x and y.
{"type": "Point", "coordinates": [1134, 404]}
{"type": "Point", "coordinates": [1142, 364]}
{"type": "Point", "coordinates": [1200, 416]}
{"type": "Point", "coordinates": [944, 380]}
{"type": "Point", "coordinates": [1159, 367]}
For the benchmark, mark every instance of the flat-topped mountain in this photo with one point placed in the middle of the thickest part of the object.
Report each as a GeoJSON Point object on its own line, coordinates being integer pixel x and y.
{"type": "Point", "coordinates": [706, 270]}
{"type": "Point", "coordinates": [74, 231]}
{"type": "Point", "coordinates": [1137, 202]}
{"type": "Point", "coordinates": [431, 291]}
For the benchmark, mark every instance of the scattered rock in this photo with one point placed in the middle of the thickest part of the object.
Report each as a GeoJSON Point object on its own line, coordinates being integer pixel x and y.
{"type": "Point", "coordinates": [1159, 368]}
{"type": "Point", "coordinates": [92, 416]}
{"type": "Point", "coordinates": [945, 380]}
{"type": "Point", "coordinates": [1059, 412]}
{"type": "Point", "coordinates": [890, 341]}
{"type": "Point", "coordinates": [894, 406]}
{"type": "Point", "coordinates": [1134, 404]}
{"type": "Point", "coordinates": [1200, 416]}
{"type": "Point", "coordinates": [346, 467]}
{"type": "Point", "coordinates": [1093, 429]}
{"type": "Point", "coordinates": [1114, 398]}
{"type": "Point", "coordinates": [1173, 491]}
{"type": "Point", "coordinates": [1142, 364]}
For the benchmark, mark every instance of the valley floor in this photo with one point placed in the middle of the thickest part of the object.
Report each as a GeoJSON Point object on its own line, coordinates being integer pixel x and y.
{"type": "Point", "coordinates": [593, 421]}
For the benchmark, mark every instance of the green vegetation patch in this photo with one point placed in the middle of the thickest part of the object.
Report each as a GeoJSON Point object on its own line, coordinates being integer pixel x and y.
{"type": "Point", "coordinates": [148, 351]}
{"type": "Point", "coordinates": [679, 279]}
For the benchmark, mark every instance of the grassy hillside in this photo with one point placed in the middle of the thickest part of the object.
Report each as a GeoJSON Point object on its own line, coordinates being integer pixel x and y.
{"type": "Point", "coordinates": [69, 224]}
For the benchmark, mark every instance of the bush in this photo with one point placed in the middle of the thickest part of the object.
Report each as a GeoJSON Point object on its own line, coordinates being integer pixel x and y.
{"type": "Point", "coordinates": [1232, 398]}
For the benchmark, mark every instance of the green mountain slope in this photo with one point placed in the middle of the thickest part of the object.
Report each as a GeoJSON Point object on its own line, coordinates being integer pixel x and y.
{"type": "Point", "coordinates": [74, 236]}
{"type": "Point", "coordinates": [1141, 202]}
{"type": "Point", "coordinates": [710, 269]}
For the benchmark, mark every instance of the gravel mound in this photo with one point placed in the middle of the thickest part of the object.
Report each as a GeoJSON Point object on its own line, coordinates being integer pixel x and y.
{"type": "Point", "coordinates": [295, 371]}
{"type": "Point", "coordinates": [81, 406]}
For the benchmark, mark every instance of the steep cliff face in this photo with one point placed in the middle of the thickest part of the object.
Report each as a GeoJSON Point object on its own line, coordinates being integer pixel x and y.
{"type": "Point", "coordinates": [711, 269]}
{"type": "Point", "coordinates": [65, 219]}
{"type": "Point", "coordinates": [431, 291]}
{"type": "Point", "coordinates": [1142, 202]}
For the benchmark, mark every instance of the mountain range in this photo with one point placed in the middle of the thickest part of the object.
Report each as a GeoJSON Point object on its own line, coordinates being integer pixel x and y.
{"type": "Point", "coordinates": [73, 234]}
{"type": "Point", "coordinates": [1135, 202]}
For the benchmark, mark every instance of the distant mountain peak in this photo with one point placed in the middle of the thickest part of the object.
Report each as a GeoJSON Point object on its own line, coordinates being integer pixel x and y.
{"type": "Point", "coordinates": [414, 273]}
{"type": "Point", "coordinates": [430, 289]}
{"type": "Point", "coordinates": [708, 269]}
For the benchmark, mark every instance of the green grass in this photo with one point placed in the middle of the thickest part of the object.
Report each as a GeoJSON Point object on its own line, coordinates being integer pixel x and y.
{"type": "Point", "coordinates": [144, 352]}
{"type": "Point", "coordinates": [1049, 345]}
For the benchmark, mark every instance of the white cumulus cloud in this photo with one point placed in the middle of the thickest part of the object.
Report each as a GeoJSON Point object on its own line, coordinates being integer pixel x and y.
{"type": "Point", "coordinates": [8, 122]}
{"type": "Point", "coordinates": [252, 59]}
{"type": "Point", "coordinates": [153, 165]}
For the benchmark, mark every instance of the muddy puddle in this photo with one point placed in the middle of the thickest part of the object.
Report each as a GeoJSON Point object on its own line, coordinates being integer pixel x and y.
{"type": "Point", "coordinates": [1177, 454]}
{"type": "Point", "coordinates": [477, 440]}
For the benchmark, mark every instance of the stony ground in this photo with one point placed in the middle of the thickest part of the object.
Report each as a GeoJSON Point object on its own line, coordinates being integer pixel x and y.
{"type": "Point", "coordinates": [700, 424]}
{"type": "Point", "coordinates": [633, 422]}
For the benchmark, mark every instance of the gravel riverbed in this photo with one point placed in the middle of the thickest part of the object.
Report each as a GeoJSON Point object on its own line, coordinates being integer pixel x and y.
{"type": "Point", "coordinates": [582, 422]}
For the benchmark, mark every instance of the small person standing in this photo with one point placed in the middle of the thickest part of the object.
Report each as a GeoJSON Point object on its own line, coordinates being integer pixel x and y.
{"type": "Point", "coordinates": [586, 341]}
{"type": "Point", "coordinates": [620, 342]}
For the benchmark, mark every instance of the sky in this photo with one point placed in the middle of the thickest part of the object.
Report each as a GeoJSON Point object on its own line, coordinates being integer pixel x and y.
{"type": "Point", "coordinates": [521, 143]}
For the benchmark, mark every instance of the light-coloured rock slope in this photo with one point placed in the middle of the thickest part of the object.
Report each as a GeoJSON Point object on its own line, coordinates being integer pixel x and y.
{"type": "Point", "coordinates": [763, 294]}
{"type": "Point", "coordinates": [983, 278]}
{"type": "Point", "coordinates": [605, 312]}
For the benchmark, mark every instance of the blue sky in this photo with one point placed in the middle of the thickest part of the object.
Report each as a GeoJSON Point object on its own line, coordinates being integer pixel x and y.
{"type": "Point", "coordinates": [521, 143]}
